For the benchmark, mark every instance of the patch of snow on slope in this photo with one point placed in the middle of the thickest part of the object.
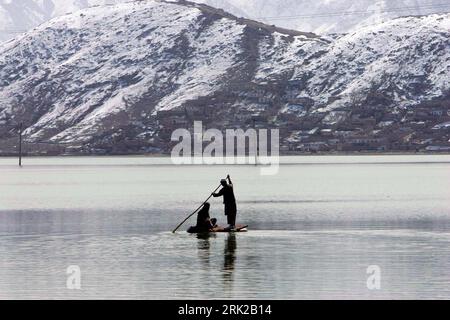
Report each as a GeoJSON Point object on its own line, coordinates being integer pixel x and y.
{"type": "Point", "coordinates": [279, 53]}
{"type": "Point", "coordinates": [213, 53]}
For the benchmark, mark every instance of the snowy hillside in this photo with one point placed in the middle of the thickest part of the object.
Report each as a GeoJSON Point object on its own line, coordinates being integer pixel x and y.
{"type": "Point", "coordinates": [408, 66]}
{"type": "Point", "coordinates": [121, 78]}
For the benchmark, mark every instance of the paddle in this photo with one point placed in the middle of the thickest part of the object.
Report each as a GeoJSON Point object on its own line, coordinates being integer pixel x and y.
{"type": "Point", "coordinates": [179, 226]}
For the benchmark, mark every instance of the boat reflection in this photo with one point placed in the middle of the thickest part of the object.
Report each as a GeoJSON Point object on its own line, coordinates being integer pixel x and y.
{"type": "Point", "coordinates": [229, 257]}
{"type": "Point", "coordinates": [205, 236]}
{"type": "Point", "coordinates": [204, 248]}
{"type": "Point", "coordinates": [209, 258]}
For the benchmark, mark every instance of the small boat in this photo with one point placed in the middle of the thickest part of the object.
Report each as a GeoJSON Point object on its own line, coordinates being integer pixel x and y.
{"type": "Point", "coordinates": [218, 229]}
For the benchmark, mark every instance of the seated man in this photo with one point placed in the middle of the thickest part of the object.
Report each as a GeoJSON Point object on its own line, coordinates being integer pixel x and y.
{"type": "Point", "coordinates": [204, 222]}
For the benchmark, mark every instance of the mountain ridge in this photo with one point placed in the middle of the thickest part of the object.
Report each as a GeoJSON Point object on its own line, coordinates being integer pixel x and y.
{"type": "Point", "coordinates": [320, 17]}
{"type": "Point", "coordinates": [324, 17]}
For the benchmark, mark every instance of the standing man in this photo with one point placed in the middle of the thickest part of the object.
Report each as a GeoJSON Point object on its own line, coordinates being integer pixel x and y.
{"type": "Point", "coordinates": [229, 201]}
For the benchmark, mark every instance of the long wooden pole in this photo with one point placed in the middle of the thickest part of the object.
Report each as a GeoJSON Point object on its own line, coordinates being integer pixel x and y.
{"type": "Point", "coordinates": [20, 144]}
{"type": "Point", "coordinates": [184, 221]}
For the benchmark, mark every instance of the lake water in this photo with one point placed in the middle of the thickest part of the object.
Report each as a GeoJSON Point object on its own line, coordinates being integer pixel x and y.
{"type": "Point", "coordinates": [315, 228]}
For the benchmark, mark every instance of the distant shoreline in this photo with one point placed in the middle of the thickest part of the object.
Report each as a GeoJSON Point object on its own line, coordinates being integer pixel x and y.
{"type": "Point", "coordinates": [163, 155]}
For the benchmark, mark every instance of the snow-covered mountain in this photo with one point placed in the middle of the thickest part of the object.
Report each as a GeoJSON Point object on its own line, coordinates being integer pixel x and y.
{"type": "Point", "coordinates": [93, 72]}
{"type": "Point", "coordinates": [121, 78]}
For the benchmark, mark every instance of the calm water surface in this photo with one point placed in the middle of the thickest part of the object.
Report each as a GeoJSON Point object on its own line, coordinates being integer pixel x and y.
{"type": "Point", "coordinates": [315, 228]}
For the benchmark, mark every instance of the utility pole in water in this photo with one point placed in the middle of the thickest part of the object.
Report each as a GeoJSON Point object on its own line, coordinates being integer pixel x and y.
{"type": "Point", "coordinates": [257, 142]}
{"type": "Point", "coordinates": [20, 144]}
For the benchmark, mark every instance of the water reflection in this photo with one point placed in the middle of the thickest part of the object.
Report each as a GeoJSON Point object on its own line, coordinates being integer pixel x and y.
{"type": "Point", "coordinates": [205, 237]}
{"type": "Point", "coordinates": [303, 244]}
{"type": "Point", "coordinates": [204, 248]}
{"type": "Point", "coordinates": [208, 256]}
{"type": "Point", "coordinates": [229, 257]}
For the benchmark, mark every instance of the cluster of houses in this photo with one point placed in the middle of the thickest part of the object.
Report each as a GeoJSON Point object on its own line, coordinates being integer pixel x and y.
{"type": "Point", "coordinates": [419, 130]}
{"type": "Point", "coordinates": [10, 147]}
{"type": "Point", "coordinates": [304, 129]}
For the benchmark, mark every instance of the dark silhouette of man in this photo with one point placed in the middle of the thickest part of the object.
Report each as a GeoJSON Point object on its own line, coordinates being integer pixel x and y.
{"type": "Point", "coordinates": [229, 201]}
{"type": "Point", "coordinates": [204, 221]}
